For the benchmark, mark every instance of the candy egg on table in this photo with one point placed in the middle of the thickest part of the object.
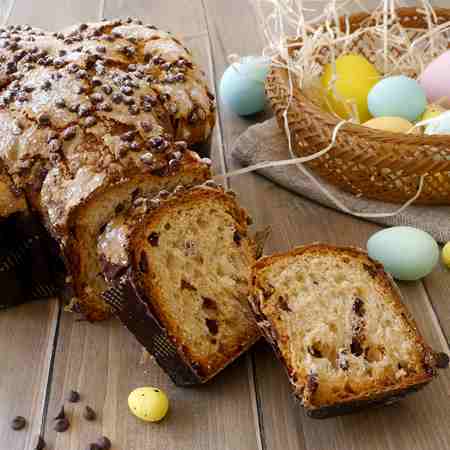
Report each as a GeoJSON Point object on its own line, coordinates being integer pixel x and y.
{"type": "Point", "coordinates": [398, 96]}
{"type": "Point", "coordinates": [446, 254]}
{"type": "Point", "coordinates": [435, 80]}
{"type": "Point", "coordinates": [242, 85]}
{"type": "Point", "coordinates": [432, 111]}
{"type": "Point", "coordinates": [394, 124]}
{"type": "Point", "coordinates": [407, 253]}
{"type": "Point", "coordinates": [148, 403]}
{"type": "Point", "coordinates": [354, 76]}
{"type": "Point", "coordinates": [439, 125]}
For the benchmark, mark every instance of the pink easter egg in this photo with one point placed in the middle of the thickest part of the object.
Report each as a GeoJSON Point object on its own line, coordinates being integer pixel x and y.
{"type": "Point", "coordinates": [435, 78]}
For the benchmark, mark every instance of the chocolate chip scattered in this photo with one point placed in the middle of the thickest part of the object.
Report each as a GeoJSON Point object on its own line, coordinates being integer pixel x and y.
{"type": "Point", "coordinates": [84, 110]}
{"type": "Point", "coordinates": [104, 106]}
{"type": "Point", "coordinates": [128, 136]}
{"type": "Point", "coordinates": [62, 425]}
{"type": "Point", "coordinates": [126, 90]}
{"type": "Point", "coordinates": [153, 239]}
{"type": "Point", "coordinates": [93, 446]}
{"type": "Point", "coordinates": [44, 120]}
{"type": "Point", "coordinates": [96, 97]}
{"type": "Point", "coordinates": [89, 414]}
{"type": "Point", "coordinates": [90, 121]}
{"type": "Point", "coordinates": [40, 444]}
{"type": "Point", "coordinates": [442, 360]}
{"type": "Point", "coordinates": [117, 97]}
{"type": "Point", "coordinates": [212, 326]}
{"type": "Point", "coordinates": [61, 414]}
{"type": "Point", "coordinates": [18, 423]}
{"type": "Point", "coordinates": [133, 110]}
{"type": "Point", "coordinates": [104, 443]}
{"type": "Point", "coordinates": [83, 27]}
{"type": "Point", "coordinates": [46, 85]}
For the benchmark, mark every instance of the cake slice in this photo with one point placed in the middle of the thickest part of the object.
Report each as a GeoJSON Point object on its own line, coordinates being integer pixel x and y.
{"type": "Point", "coordinates": [337, 322]}
{"type": "Point", "coordinates": [185, 261]}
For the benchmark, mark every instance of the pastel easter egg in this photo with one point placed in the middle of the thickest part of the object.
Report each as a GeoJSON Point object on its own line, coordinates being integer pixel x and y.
{"type": "Point", "coordinates": [242, 85]}
{"type": "Point", "coordinates": [397, 96]}
{"type": "Point", "coordinates": [439, 125]}
{"type": "Point", "coordinates": [394, 124]}
{"type": "Point", "coordinates": [148, 403]}
{"type": "Point", "coordinates": [432, 111]}
{"type": "Point", "coordinates": [435, 80]}
{"type": "Point", "coordinates": [407, 253]}
{"type": "Point", "coordinates": [355, 76]}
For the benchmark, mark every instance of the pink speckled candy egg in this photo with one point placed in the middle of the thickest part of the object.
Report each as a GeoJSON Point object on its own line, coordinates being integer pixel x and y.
{"type": "Point", "coordinates": [435, 78]}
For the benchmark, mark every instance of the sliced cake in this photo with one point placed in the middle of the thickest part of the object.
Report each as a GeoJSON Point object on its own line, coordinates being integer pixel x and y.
{"type": "Point", "coordinates": [337, 322]}
{"type": "Point", "coordinates": [187, 257]}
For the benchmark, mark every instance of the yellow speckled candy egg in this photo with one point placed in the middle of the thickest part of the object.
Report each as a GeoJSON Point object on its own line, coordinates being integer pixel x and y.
{"type": "Point", "coordinates": [432, 111]}
{"type": "Point", "coordinates": [387, 123]}
{"type": "Point", "coordinates": [148, 403]}
{"type": "Point", "coordinates": [355, 77]}
{"type": "Point", "coordinates": [446, 254]}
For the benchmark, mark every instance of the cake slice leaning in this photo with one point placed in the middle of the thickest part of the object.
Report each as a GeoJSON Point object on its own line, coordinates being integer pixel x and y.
{"type": "Point", "coordinates": [184, 278]}
{"type": "Point", "coordinates": [337, 322]}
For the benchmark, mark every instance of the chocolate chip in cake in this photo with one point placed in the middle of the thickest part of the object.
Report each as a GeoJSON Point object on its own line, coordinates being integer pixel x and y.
{"type": "Point", "coordinates": [237, 237]}
{"type": "Point", "coordinates": [209, 303]}
{"type": "Point", "coordinates": [358, 307]}
{"type": "Point", "coordinates": [18, 423]}
{"type": "Point", "coordinates": [61, 414]}
{"type": "Point", "coordinates": [89, 414]}
{"type": "Point", "coordinates": [212, 326]}
{"type": "Point", "coordinates": [104, 443]}
{"type": "Point", "coordinates": [186, 285]}
{"type": "Point", "coordinates": [74, 397]}
{"type": "Point", "coordinates": [40, 444]}
{"type": "Point", "coordinates": [356, 347]}
{"type": "Point", "coordinates": [283, 304]}
{"type": "Point", "coordinates": [62, 425]}
{"type": "Point", "coordinates": [153, 239]}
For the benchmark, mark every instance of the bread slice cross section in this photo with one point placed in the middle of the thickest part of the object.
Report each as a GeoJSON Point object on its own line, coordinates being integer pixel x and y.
{"type": "Point", "coordinates": [337, 322]}
{"type": "Point", "coordinates": [190, 260]}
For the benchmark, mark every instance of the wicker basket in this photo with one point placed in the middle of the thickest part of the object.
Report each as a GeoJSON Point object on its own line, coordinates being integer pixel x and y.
{"type": "Point", "coordinates": [366, 162]}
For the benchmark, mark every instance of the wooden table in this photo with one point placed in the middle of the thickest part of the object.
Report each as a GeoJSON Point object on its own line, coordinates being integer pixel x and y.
{"type": "Point", "coordinates": [44, 352]}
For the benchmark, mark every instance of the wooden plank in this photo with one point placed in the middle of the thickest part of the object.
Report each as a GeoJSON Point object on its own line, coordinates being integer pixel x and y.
{"type": "Point", "coordinates": [27, 335]}
{"type": "Point", "coordinates": [420, 421]}
{"type": "Point", "coordinates": [102, 361]}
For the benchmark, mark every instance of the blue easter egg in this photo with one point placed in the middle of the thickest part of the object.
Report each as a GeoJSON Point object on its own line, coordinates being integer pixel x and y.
{"type": "Point", "coordinates": [242, 85]}
{"type": "Point", "coordinates": [397, 96]}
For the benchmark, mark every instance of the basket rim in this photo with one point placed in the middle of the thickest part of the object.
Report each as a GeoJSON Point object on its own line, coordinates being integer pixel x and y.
{"type": "Point", "coordinates": [360, 129]}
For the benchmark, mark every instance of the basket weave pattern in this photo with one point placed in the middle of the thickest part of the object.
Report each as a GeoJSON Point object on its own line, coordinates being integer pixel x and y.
{"type": "Point", "coordinates": [366, 162]}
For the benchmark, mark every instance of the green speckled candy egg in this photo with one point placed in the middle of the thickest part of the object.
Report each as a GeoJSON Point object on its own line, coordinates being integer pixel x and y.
{"type": "Point", "coordinates": [148, 403]}
{"type": "Point", "coordinates": [407, 253]}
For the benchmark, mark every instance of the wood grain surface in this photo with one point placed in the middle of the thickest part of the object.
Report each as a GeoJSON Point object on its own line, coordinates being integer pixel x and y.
{"type": "Point", "coordinates": [45, 352]}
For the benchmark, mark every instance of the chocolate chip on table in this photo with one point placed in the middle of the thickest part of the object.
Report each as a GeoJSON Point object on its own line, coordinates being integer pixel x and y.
{"type": "Point", "coordinates": [18, 423]}
{"type": "Point", "coordinates": [104, 443]}
{"type": "Point", "coordinates": [61, 414]}
{"type": "Point", "coordinates": [62, 425]}
{"type": "Point", "coordinates": [89, 414]}
{"type": "Point", "coordinates": [93, 446]}
{"type": "Point", "coordinates": [442, 360]}
{"type": "Point", "coordinates": [40, 444]}
{"type": "Point", "coordinates": [74, 397]}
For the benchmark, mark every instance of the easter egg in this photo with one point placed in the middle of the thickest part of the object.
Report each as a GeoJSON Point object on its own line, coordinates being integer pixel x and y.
{"type": "Point", "coordinates": [354, 76]}
{"type": "Point", "coordinates": [440, 124]}
{"type": "Point", "coordinates": [407, 253]}
{"type": "Point", "coordinates": [395, 124]}
{"type": "Point", "coordinates": [242, 85]}
{"type": "Point", "coordinates": [432, 111]}
{"type": "Point", "coordinates": [446, 254]}
{"type": "Point", "coordinates": [434, 79]}
{"type": "Point", "coordinates": [397, 96]}
{"type": "Point", "coordinates": [148, 403]}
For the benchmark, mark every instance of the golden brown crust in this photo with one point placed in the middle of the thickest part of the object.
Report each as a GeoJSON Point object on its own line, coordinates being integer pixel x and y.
{"type": "Point", "coordinates": [356, 401]}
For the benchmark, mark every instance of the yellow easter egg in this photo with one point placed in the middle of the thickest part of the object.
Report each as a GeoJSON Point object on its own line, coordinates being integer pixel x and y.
{"type": "Point", "coordinates": [148, 403]}
{"type": "Point", "coordinates": [432, 111]}
{"type": "Point", "coordinates": [446, 254]}
{"type": "Point", "coordinates": [355, 76]}
{"type": "Point", "coordinates": [387, 123]}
